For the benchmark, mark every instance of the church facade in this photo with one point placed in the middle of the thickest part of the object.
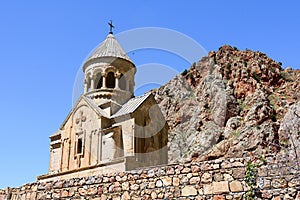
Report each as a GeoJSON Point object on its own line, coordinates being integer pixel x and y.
{"type": "Point", "coordinates": [108, 129]}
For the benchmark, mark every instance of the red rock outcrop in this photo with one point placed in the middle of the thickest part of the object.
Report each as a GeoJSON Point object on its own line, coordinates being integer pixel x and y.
{"type": "Point", "coordinates": [230, 103]}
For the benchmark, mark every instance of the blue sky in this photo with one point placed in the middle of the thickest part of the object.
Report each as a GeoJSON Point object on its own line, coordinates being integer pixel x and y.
{"type": "Point", "coordinates": [43, 44]}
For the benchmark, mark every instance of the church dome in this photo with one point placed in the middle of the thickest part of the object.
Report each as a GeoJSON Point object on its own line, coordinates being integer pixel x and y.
{"type": "Point", "coordinates": [109, 48]}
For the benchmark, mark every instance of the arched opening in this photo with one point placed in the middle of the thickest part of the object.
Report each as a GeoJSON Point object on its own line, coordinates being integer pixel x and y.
{"type": "Point", "coordinates": [122, 82]}
{"type": "Point", "coordinates": [99, 82]}
{"type": "Point", "coordinates": [110, 80]}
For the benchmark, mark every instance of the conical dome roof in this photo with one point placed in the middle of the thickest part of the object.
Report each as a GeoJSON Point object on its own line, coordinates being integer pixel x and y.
{"type": "Point", "coordinates": [110, 47]}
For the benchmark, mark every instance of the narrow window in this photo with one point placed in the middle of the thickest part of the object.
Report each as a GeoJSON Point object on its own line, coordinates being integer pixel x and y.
{"type": "Point", "coordinates": [79, 146]}
{"type": "Point", "coordinates": [110, 80]}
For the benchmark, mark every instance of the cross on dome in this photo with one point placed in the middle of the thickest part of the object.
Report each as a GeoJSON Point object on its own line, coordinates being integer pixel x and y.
{"type": "Point", "coordinates": [111, 26]}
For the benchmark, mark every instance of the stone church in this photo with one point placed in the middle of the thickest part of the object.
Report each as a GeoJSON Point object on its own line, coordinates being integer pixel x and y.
{"type": "Point", "coordinates": [108, 129]}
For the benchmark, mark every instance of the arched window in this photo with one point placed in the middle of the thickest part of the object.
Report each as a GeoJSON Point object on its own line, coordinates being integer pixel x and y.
{"type": "Point", "coordinates": [110, 80]}
{"type": "Point", "coordinates": [122, 82]}
{"type": "Point", "coordinates": [100, 81]}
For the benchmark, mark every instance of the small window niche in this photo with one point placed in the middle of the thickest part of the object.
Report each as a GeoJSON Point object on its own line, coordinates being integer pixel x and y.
{"type": "Point", "coordinates": [79, 148]}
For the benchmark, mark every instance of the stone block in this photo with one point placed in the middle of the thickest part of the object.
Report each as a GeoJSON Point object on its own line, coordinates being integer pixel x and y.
{"type": "Point", "coordinates": [195, 169]}
{"type": "Point", "coordinates": [216, 166]}
{"type": "Point", "coordinates": [262, 171]}
{"type": "Point", "coordinates": [238, 172]}
{"type": "Point", "coordinates": [194, 180]}
{"type": "Point", "coordinates": [33, 196]}
{"type": "Point", "coordinates": [153, 195]}
{"type": "Point", "coordinates": [294, 182]}
{"type": "Point", "coordinates": [266, 194]}
{"type": "Point", "coordinates": [159, 183]}
{"type": "Point", "coordinates": [34, 188]}
{"type": "Point", "coordinates": [186, 170]}
{"type": "Point", "coordinates": [189, 175]}
{"type": "Point", "coordinates": [96, 198]}
{"type": "Point", "coordinates": [220, 187]}
{"type": "Point", "coordinates": [184, 180]}
{"type": "Point", "coordinates": [219, 197]}
{"type": "Point", "coordinates": [188, 191]}
{"type": "Point", "coordinates": [218, 177]}
{"type": "Point", "coordinates": [92, 191]}
{"type": "Point", "coordinates": [151, 173]}
{"type": "Point", "coordinates": [207, 189]}
{"type": "Point", "coordinates": [228, 177]}
{"type": "Point", "coordinates": [125, 186]}
{"type": "Point", "coordinates": [176, 181]}
{"type": "Point", "coordinates": [167, 181]}
{"type": "Point", "coordinates": [287, 197]}
{"type": "Point", "coordinates": [125, 196]}
{"type": "Point", "coordinates": [159, 196]}
{"type": "Point", "coordinates": [134, 187]}
{"type": "Point", "coordinates": [237, 164]}
{"type": "Point", "coordinates": [206, 178]}
{"type": "Point", "coordinates": [151, 185]}
{"type": "Point", "coordinates": [266, 184]}
{"type": "Point", "coordinates": [116, 197]}
{"type": "Point", "coordinates": [238, 196]}
{"type": "Point", "coordinates": [236, 186]}
{"type": "Point", "coordinates": [54, 196]}
{"type": "Point", "coordinates": [298, 196]}
{"type": "Point", "coordinates": [279, 183]}
{"type": "Point", "coordinates": [82, 191]}
{"type": "Point", "coordinates": [143, 176]}
{"type": "Point", "coordinates": [64, 193]}
{"type": "Point", "coordinates": [170, 171]}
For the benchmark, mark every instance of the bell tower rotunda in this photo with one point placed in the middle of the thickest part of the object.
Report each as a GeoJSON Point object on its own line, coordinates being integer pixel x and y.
{"type": "Point", "coordinates": [109, 73]}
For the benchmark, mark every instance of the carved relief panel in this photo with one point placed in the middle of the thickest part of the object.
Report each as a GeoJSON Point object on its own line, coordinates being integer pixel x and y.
{"type": "Point", "coordinates": [80, 135]}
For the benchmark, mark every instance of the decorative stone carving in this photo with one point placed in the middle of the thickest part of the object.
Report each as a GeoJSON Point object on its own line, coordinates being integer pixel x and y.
{"type": "Point", "coordinates": [79, 122]}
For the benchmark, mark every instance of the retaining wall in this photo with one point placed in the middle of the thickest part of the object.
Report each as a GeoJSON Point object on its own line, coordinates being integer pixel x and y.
{"type": "Point", "coordinates": [218, 179]}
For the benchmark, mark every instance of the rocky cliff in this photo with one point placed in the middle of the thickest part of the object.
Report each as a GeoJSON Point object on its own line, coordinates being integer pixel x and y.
{"type": "Point", "coordinates": [232, 103]}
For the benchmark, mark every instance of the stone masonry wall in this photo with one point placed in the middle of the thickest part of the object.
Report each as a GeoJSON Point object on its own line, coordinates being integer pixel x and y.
{"type": "Point", "coordinates": [217, 179]}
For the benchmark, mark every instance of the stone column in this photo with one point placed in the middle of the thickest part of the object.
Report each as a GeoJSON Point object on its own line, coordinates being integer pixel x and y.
{"type": "Point", "coordinates": [92, 83]}
{"type": "Point", "coordinates": [104, 80]}
{"type": "Point", "coordinates": [85, 87]}
{"type": "Point", "coordinates": [117, 80]}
